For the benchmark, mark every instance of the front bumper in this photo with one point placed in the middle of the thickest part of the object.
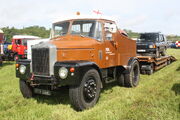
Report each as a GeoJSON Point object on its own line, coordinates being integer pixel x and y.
{"type": "Point", "coordinates": [53, 80]}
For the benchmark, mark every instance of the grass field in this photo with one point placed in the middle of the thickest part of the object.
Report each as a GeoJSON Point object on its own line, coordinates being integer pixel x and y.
{"type": "Point", "coordinates": [156, 98]}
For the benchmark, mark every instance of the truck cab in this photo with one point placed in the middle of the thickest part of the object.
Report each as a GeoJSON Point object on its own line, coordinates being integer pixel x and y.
{"type": "Point", "coordinates": [154, 44]}
{"type": "Point", "coordinates": [83, 54]}
{"type": "Point", "coordinates": [19, 45]}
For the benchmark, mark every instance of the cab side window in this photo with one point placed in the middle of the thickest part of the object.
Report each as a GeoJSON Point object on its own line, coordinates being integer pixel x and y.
{"type": "Point", "coordinates": [98, 35]}
{"type": "Point", "coordinates": [18, 42]}
{"type": "Point", "coordinates": [110, 28]}
{"type": "Point", "coordinates": [108, 33]}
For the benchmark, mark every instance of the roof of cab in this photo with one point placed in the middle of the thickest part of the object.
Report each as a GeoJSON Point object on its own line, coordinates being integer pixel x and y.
{"type": "Point", "coordinates": [74, 17]}
{"type": "Point", "coordinates": [25, 37]}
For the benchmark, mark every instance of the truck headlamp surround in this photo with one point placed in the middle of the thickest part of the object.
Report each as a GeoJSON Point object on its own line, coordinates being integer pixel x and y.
{"type": "Point", "coordinates": [63, 72]}
{"type": "Point", "coordinates": [22, 69]}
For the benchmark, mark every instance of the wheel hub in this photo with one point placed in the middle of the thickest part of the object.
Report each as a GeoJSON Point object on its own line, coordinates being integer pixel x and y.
{"type": "Point", "coordinates": [90, 89]}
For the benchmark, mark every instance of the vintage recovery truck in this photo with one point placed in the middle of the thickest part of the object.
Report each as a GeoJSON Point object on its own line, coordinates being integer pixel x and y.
{"type": "Point", "coordinates": [84, 53]}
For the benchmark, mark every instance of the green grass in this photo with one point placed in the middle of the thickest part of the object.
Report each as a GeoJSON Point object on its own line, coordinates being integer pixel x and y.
{"type": "Point", "coordinates": [156, 98]}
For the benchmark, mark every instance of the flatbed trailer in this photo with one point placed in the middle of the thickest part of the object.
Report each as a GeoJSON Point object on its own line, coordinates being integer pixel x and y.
{"type": "Point", "coordinates": [149, 64]}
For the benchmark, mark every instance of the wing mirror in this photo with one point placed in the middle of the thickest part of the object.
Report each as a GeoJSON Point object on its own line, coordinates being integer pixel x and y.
{"type": "Point", "coordinates": [110, 27]}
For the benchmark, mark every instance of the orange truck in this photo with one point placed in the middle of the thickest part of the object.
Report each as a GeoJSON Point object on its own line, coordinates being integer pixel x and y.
{"type": "Point", "coordinates": [84, 53]}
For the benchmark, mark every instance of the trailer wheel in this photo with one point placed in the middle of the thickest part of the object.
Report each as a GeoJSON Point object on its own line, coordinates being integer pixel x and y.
{"type": "Point", "coordinates": [151, 71]}
{"type": "Point", "coordinates": [86, 94]}
{"type": "Point", "coordinates": [25, 89]}
{"type": "Point", "coordinates": [143, 72]}
{"type": "Point", "coordinates": [132, 78]}
{"type": "Point", "coordinates": [168, 62]}
{"type": "Point", "coordinates": [120, 80]}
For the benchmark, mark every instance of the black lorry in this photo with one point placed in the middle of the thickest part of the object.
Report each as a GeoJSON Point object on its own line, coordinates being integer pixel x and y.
{"type": "Point", "coordinates": [152, 44]}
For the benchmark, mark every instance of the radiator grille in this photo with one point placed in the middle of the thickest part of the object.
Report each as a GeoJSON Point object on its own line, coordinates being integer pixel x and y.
{"type": "Point", "coordinates": [142, 46]}
{"type": "Point", "coordinates": [40, 61]}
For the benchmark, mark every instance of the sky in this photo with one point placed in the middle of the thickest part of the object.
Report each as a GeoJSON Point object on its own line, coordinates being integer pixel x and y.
{"type": "Point", "coordinates": [136, 15]}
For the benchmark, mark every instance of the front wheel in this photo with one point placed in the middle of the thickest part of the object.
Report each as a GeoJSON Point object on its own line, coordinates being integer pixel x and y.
{"type": "Point", "coordinates": [16, 57]}
{"type": "Point", "coordinates": [26, 89]}
{"type": "Point", "coordinates": [86, 94]}
{"type": "Point", "coordinates": [132, 78]}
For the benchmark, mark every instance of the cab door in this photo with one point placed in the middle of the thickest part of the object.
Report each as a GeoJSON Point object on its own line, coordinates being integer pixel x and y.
{"type": "Point", "coordinates": [110, 48]}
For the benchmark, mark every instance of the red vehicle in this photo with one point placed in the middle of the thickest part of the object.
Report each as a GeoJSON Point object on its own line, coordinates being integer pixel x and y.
{"type": "Point", "coordinates": [177, 44]}
{"type": "Point", "coordinates": [1, 36]}
{"type": "Point", "coordinates": [19, 45]}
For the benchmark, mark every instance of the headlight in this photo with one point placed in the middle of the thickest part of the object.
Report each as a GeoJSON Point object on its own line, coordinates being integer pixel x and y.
{"type": "Point", "coordinates": [151, 46]}
{"type": "Point", "coordinates": [63, 72]}
{"type": "Point", "coordinates": [22, 69]}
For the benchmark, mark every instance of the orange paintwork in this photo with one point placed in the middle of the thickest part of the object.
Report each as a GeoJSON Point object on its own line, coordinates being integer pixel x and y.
{"type": "Point", "coordinates": [116, 52]}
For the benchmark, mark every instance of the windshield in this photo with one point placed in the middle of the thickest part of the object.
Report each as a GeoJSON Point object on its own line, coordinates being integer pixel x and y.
{"type": "Point", "coordinates": [60, 29]}
{"type": "Point", "coordinates": [24, 42]}
{"type": "Point", "coordinates": [148, 37]}
{"type": "Point", "coordinates": [84, 28]}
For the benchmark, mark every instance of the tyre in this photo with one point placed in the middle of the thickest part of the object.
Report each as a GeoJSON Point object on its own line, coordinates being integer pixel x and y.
{"type": "Point", "coordinates": [151, 71]}
{"type": "Point", "coordinates": [16, 57]}
{"type": "Point", "coordinates": [143, 72]}
{"type": "Point", "coordinates": [86, 94]}
{"type": "Point", "coordinates": [26, 89]}
{"type": "Point", "coordinates": [132, 78]}
{"type": "Point", "coordinates": [168, 62]}
{"type": "Point", "coordinates": [120, 80]}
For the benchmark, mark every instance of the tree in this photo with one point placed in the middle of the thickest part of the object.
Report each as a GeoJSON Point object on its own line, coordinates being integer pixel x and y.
{"type": "Point", "coordinates": [32, 30]}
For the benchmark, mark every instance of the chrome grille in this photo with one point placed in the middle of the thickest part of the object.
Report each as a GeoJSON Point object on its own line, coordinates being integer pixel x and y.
{"type": "Point", "coordinates": [40, 61]}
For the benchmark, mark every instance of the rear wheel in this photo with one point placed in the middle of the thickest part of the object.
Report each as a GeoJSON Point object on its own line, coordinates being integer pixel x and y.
{"type": "Point", "coordinates": [26, 89]}
{"type": "Point", "coordinates": [132, 78]}
{"type": "Point", "coordinates": [86, 94]}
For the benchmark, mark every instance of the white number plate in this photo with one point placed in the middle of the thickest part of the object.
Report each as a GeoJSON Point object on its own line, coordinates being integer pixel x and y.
{"type": "Point", "coordinates": [141, 50]}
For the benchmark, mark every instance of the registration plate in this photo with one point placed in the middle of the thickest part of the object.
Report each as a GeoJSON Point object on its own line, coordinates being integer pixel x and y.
{"type": "Point", "coordinates": [141, 50]}
{"type": "Point", "coordinates": [41, 91]}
